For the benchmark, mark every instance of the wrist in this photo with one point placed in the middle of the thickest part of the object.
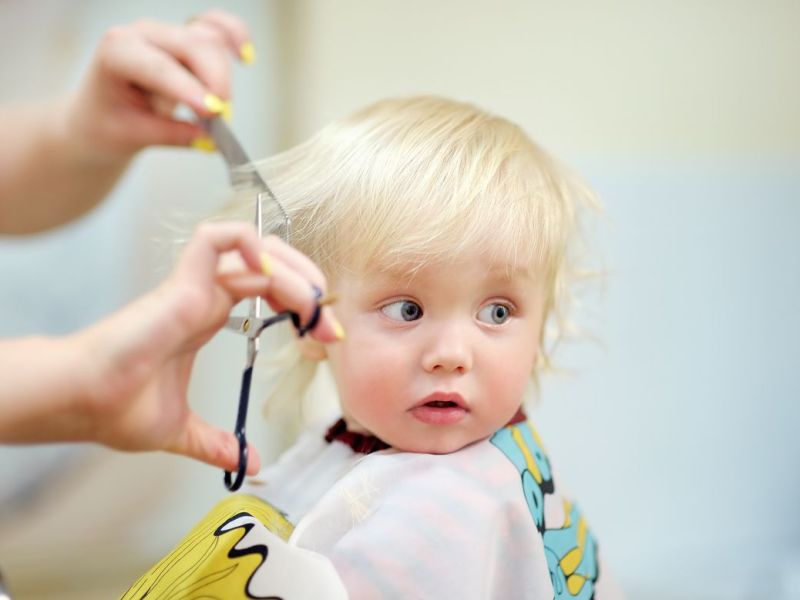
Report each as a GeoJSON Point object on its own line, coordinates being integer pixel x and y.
{"type": "Point", "coordinates": [42, 389]}
{"type": "Point", "coordinates": [81, 374]}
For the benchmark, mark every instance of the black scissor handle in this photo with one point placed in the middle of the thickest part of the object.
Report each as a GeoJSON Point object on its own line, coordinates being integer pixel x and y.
{"type": "Point", "coordinates": [312, 322]}
{"type": "Point", "coordinates": [241, 421]}
{"type": "Point", "coordinates": [234, 484]}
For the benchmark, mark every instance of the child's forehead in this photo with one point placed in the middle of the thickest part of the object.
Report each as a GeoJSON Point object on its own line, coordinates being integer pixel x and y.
{"type": "Point", "coordinates": [439, 269]}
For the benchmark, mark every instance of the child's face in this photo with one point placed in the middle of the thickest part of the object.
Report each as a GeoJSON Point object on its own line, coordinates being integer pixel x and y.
{"type": "Point", "coordinates": [436, 362]}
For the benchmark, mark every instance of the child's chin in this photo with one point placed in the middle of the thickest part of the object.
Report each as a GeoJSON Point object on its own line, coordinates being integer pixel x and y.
{"type": "Point", "coordinates": [442, 445]}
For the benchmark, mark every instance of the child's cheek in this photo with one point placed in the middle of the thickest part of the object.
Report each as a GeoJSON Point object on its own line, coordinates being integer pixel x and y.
{"type": "Point", "coordinates": [378, 370]}
{"type": "Point", "coordinates": [510, 381]}
{"type": "Point", "coordinates": [371, 374]}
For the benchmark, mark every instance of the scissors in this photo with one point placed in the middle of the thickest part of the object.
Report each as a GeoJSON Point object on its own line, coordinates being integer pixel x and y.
{"type": "Point", "coordinates": [253, 324]}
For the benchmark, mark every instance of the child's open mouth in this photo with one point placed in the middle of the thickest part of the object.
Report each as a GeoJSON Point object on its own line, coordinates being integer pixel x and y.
{"type": "Point", "coordinates": [440, 404]}
{"type": "Point", "coordinates": [440, 409]}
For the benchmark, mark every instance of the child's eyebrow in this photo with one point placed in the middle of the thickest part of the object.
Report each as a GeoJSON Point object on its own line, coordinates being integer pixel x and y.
{"type": "Point", "coordinates": [508, 272]}
{"type": "Point", "coordinates": [498, 272]}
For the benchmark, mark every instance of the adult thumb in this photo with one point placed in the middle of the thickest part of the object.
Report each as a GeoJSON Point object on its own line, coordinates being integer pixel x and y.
{"type": "Point", "coordinates": [214, 446]}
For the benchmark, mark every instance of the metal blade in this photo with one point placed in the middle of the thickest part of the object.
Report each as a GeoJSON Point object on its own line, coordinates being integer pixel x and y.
{"type": "Point", "coordinates": [233, 153]}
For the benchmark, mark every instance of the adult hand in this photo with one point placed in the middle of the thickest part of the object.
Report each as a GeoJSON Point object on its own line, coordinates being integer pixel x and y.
{"type": "Point", "coordinates": [142, 70]}
{"type": "Point", "coordinates": [123, 382]}
{"type": "Point", "coordinates": [125, 102]}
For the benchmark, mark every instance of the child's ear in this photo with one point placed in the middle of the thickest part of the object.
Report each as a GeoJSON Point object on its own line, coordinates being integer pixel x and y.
{"type": "Point", "coordinates": [311, 348]}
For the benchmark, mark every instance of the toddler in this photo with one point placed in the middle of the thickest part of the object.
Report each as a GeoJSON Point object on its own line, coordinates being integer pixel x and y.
{"type": "Point", "coordinates": [447, 235]}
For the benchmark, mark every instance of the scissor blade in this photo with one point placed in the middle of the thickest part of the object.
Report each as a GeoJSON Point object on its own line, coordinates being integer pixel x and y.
{"type": "Point", "coordinates": [233, 153]}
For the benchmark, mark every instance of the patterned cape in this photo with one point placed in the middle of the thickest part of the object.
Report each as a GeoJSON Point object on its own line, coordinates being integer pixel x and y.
{"type": "Point", "coordinates": [485, 522]}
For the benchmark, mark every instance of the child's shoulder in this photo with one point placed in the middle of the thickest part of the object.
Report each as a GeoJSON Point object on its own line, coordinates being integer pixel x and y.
{"type": "Point", "coordinates": [428, 512]}
{"type": "Point", "coordinates": [494, 505]}
{"type": "Point", "coordinates": [473, 485]}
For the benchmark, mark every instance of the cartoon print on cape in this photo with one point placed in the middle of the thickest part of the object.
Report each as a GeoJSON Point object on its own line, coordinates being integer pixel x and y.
{"type": "Point", "coordinates": [239, 551]}
{"type": "Point", "coordinates": [570, 547]}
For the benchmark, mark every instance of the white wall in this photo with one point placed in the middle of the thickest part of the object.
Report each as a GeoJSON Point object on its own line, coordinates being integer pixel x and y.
{"type": "Point", "coordinates": [677, 431]}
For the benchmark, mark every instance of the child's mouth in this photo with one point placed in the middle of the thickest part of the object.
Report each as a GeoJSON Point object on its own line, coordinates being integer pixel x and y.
{"type": "Point", "coordinates": [440, 404]}
{"type": "Point", "coordinates": [440, 410]}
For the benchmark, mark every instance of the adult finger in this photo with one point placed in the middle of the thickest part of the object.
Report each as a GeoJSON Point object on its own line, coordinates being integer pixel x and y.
{"type": "Point", "coordinates": [282, 288]}
{"type": "Point", "coordinates": [211, 240]}
{"type": "Point", "coordinates": [295, 259]}
{"type": "Point", "coordinates": [296, 273]}
{"type": "Point", "coordinates": [289, 289]}
{"type": "Point", "coordinates": [130, 57]}
{"type": "Point", "coordinates": [202, 49]}
{"type": "Point", "coordinates": [240, 285]}
{"type": "Point", "coordinates": [232, 27]}
{"type": "Point", "coordinates": [214, 446]}
{"type": "Point", "coordinates": [147, 129]}
{"type": "Point", "coordinates": [251, 273]}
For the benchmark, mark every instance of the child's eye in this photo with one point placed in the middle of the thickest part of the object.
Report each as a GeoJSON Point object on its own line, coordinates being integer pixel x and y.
{"type": "Point", "coordinates": [494, 313]}
{"type": "Point", "coordinates": [402, 310]}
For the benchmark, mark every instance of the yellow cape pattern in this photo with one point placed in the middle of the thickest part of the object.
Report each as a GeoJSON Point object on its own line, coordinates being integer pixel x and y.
{"type": "Point", "coordinates": [207, 564]}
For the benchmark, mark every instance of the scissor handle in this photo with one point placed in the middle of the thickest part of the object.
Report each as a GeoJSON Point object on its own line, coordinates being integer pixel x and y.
{"type": "Point", "coordinates": [312, 322]}
{"type": "Point", "coordinates": [241, 420]}
{"type": "Point", "coordinates": [240, 472]}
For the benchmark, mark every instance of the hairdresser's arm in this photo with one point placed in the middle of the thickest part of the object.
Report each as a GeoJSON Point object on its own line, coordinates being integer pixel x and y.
{"type": "Point", "coordinates": [123, 381]}
{"type": "Point", "coordinates": [59, 159]}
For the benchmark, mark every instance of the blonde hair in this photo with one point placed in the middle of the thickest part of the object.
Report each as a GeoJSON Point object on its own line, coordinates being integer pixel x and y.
{"type": "Point", "coordinates": [410, 181]}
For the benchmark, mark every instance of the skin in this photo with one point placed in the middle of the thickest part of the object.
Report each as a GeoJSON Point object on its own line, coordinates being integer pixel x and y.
{"type": "Point", "coordinates": [124, 103]}
{"type": "Point", "coordinates": [388, 365]}
{"type": "Point", "coordinates": [123, 382]}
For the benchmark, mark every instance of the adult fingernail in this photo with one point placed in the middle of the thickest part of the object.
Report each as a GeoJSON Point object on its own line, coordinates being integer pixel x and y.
{"type": "Point", "coordinates": [247, 53]}
{"type": "Point", "coordinates": [227, 111]}
{"type": "Point", "coordinates": [266, 263]}
{"type": "Point", "coordinates": [338, 330]}
{"type": "Point", "coordinates": [204, 144]}
{"type": "Point", "coordinates": [214, 104]}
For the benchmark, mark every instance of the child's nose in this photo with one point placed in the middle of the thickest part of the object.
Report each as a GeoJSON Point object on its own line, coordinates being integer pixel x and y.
{"type": "Point", "coordinates": [448, 351]}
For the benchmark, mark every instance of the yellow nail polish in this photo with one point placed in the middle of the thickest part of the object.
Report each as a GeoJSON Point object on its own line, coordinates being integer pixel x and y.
{"type": "Point", "coordinates": [338, 330]}
{"type": "Point", "coordinates": [247, 53]}
{"type": "Point", "coordinates": [266, 264]}
{"type": "Point", "coordinates": [204, 144]}
{"type": "Point", "coordinates": [213, 103]}
{"type": "Point", "coordinates": [227, 111]}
